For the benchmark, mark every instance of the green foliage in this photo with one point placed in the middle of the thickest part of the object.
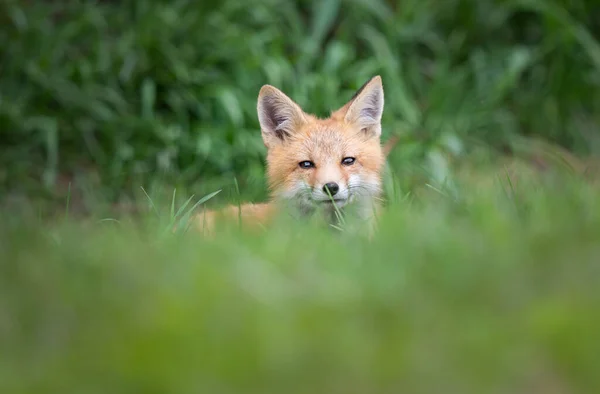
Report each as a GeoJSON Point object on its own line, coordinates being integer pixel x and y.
{"type": "Point", "coordinates": [465, 288]}
{"type": "Point", "coordinates": [482, 294]}
{"type": "Point", "coordinates": [126, 92]}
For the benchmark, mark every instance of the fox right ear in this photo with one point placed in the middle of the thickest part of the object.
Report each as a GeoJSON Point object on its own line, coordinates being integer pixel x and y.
{"type": "Point", "coordinates": [366, 107]}
{"type": "Point", "coordinates": [278, 115]}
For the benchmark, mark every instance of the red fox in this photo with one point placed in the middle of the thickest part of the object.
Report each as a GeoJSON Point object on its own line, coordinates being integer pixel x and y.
{"type": "Point", "coordinates": [317, 165]}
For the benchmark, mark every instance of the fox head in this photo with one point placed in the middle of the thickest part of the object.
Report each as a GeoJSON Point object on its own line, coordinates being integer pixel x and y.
{"type": "Point", "coordinates": [312, 161]}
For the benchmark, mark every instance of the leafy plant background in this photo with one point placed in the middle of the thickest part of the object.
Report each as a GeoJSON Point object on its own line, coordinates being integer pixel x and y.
{"type": "Point", "coordinates": [102, 97]}
{"type": "Point", "coordinates": [484, 286]}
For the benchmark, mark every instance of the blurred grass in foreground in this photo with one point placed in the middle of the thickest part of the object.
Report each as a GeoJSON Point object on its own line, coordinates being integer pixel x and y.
{"type": "Point", "coordinates": [485, 283]}
{"type": "Point", "coordinates": [493, 290]}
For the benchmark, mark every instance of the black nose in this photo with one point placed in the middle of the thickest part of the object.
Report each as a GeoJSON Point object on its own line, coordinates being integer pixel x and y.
{"type": "Point", "coordinates": [332, 187]}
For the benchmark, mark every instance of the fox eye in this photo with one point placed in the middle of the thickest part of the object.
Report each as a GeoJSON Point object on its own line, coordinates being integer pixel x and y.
{"type": "Point", "coordinates": [306, 164]}
{"type": "Point", "coordinates": [348, 161]}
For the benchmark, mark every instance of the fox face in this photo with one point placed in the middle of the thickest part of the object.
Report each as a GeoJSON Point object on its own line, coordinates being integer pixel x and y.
{"type": "Point", "coordinates": [323, 163]}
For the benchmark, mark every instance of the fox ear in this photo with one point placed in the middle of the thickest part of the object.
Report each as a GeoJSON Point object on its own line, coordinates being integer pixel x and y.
{"type": "Point", "coordinates": [278, 115]}
{"type": "Point", "coordinates": [366, 107]}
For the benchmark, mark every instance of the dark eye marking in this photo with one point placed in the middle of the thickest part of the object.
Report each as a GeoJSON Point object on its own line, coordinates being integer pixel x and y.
{"type": "Point", "coordinates": [348, 161]}
{"type": "Point", "coordinates": [306, 164]}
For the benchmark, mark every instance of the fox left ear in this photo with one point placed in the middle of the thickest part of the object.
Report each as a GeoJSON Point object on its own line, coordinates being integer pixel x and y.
{"type": "Point", "coordinates": [279, 116]}
{"type": "Point", "coordinates": [366, 107]}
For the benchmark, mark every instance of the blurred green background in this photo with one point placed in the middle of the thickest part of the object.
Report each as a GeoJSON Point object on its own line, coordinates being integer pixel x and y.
{"type": "Point", "coordinates": [100, 97]}
{"type": "Point", "coordinates": [482, 277]}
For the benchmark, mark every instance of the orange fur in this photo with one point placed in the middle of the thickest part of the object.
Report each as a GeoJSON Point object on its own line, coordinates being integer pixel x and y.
{"type": "Point", "coordinates": [343, 151]}
{"type": "Point", "coordinates": [254, 216]}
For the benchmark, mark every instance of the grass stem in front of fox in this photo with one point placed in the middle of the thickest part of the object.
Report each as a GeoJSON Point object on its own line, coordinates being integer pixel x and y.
{"type": "Point", "coordinates": [338, 213]}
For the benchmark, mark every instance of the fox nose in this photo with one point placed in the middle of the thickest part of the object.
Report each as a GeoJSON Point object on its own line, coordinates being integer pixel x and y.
{"type": "Point", "coordinates": [332, 187]}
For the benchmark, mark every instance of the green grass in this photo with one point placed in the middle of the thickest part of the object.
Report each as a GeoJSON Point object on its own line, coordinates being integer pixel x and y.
{"type": "Point", "coordinates": [493, 292]}
{"type": "Point", "coordinates": [107, 96]}
{"type": "Point", "coordinates": [119, 119]}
